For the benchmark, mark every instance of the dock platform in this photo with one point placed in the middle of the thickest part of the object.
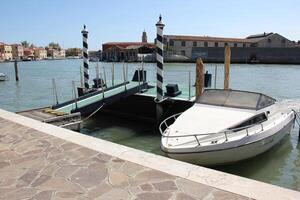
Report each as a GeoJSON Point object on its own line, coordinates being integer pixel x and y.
{"type": "Point", "coordinates": [70, 121]}
{"type": "Point", "coordinates": [90, 102]}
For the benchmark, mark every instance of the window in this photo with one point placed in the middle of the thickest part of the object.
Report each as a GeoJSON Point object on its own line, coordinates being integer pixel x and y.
{"type": "Point", "coordinates": [171, 42]}
{"type": "Point", "coordinates": [254, 44]}
{"type": "Point", "coordinates": [194, 44]}
{"type": "Point", "coordinates": [183, 43]}
{"type": "Point", "coordinates": [216, 44]}
{"type": "Point", "coordinates": [283, 41]}
{"type": "Point", "coordinates": [244, 45]}
{"type": "Point", "coordinates": [257, 119]}
{"type": "Point", "coordinates": [235, 44]}
{"type": "Point", "coordinates": [205, 44]}
{"type": "Point", "coordinates": [183, 52]}
{"type": "Point", "coordinates": [269, 40]}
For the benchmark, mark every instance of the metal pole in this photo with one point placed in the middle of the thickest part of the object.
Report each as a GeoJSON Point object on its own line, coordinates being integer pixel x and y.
{"type": "Point", "coordinates": [126, 72]}
{"type": "Point", "coordinates": [74, 90]}
{"type": "Point", "coordinates": [104, 75]}
{"type": "Point", "coordinates": [54, 92]}
{"type": "Point", "coordinates": [159, 60]}
{"type": "Point", "coordinates": [189, 85]}
{"type": "Point", "coordinates": [102, 89]}
{"type": "Point", "coordinates": [139, 79]}
{"type": "Point", "coordinates": [143, 70]}
{"type": "Point", "coordinates": [216, 71]}
{"type": "Point", "coordinates": [124, 76]}
{"type": "Point", "coordinates": [85, 57]}
{"type": "Point", "coordinates": [97, 70]}
{"type": "Point", "coordinates": [113, 74]}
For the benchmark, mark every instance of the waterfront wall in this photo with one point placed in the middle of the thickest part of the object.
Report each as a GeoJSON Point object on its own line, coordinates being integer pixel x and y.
{"type": "Point", "coordinates": [200, 181]}
{"type": "Point", "coordinates": [248, 55]}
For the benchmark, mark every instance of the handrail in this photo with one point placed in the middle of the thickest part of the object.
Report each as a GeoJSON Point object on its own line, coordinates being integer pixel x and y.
{"type": "Point", "coordinates": [226, 132]}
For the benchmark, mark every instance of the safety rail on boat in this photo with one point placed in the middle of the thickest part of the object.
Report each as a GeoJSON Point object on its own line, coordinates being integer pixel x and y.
{"type": "Point", "coordinates": [226, 132]}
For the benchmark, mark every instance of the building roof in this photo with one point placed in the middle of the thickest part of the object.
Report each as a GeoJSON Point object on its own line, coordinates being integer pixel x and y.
{"type": "Point", "coordinates": [126, 45]}
{"type": "Point", "coordinates": [207, 38]}
{"type": "Point", "coordinates": [262, 35]}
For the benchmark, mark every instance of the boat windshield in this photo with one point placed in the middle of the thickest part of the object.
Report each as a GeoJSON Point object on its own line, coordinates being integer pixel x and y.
{"type": "Point", "coordinates": [235, 99]}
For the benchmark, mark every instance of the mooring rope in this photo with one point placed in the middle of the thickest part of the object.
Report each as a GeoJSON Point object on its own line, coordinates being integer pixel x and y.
{"type": "Point", "coordinates": [93, 113]}
{"type": "Point", "coordinates": [297, 117]}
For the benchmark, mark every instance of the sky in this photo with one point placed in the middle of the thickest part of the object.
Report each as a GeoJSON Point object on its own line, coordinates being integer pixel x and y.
{"type": "Point", "coordinates": [44, 21]}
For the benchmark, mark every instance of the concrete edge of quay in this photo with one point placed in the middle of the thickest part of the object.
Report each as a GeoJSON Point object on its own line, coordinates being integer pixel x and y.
{"type": "Point", "coordinates": [219, 180]}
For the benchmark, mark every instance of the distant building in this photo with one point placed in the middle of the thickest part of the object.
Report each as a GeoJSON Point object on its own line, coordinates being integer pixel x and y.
{"type": "Point", "coordinates": [62, 53]}
{"type": "Point", "coordinates": [56, 54]}
{"type": "Point", "coordinates": [74, 52]}
{"type": "Point", "coordinates": [52, 53]}
{"type": "Point", "coordinates": [95, 55]}
{"type": "Point", "coordinates": [144, 37]}
{"type": "Point", "coordinates": [272, 40]}
{"type": "Point", "coordinates": [5, 51]}
{"type": "Point", "coordinates": [127, 51]}
{"type": "Point", "coordinates": [28, 53]}
{"type": "Point", "coordinates": [17, 51]}
{"type": "Point", "coordinates": [40, 53]}
{"type": "Point", "coordinates": [265, 48]}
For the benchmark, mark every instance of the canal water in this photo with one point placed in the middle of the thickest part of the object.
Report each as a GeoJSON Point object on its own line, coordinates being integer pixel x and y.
{"type": "Point", "coordinates": [279, 166]}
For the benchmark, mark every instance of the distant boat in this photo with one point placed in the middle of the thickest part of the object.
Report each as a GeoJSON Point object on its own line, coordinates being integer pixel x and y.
{"type": "Point", "coordinates": [26, 59]}
{"type": "Point", "coordinates": [2, 77]}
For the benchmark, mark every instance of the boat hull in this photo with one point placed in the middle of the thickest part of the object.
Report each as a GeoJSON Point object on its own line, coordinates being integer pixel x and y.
{"type": "Point", "coordinates": [234, 154]}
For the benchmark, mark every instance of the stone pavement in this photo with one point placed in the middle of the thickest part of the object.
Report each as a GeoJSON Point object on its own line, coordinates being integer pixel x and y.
{"type": "Point", "coordinates": [38, 166]}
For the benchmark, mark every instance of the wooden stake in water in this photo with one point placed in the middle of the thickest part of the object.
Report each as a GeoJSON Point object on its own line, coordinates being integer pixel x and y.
{"type": "Point", "coordinates": [199, 77]}
{"type": "Point", "coordinates": [16, 70]}
{"type": "Point", "coordinates": [226, 66]}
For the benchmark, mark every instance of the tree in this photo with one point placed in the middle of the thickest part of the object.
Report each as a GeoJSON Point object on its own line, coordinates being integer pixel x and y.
{"type": "Point", "coordinates": [25, 44]}
{"type": "Point", "coordinates": [53, 45]}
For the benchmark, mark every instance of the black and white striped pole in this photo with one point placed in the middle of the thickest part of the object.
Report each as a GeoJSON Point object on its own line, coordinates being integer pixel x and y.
{"type": "Point", "coordinates": [159, 70]}
{"type": "Point", "coordinates": [159, 60]}
{"type": "Point", "coordinates": [85, 57]}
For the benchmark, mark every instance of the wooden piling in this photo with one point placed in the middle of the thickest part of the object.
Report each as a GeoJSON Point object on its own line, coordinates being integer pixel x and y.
{"type": "Point", "coordinates": [226, 66]}
{"type": "Point", "coordinates": [199, 77]}
{"type": "Point", "coordinates": [16, 70]}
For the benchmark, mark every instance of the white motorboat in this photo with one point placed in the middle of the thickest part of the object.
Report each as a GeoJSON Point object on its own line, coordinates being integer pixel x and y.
{"type": "Point", "coordinates": [225, 126]}
{"type": "Point", "coordinates": [2, 77]}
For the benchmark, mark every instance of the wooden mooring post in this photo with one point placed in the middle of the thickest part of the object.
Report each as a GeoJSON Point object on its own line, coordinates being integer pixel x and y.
{"type": "Point", "coordinates": [226, 66]}
{"type": "Point", "coordinates": [16, 70]}
{"type": "Point", "coordinates": [199, 77]}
